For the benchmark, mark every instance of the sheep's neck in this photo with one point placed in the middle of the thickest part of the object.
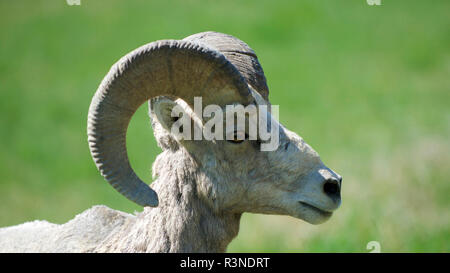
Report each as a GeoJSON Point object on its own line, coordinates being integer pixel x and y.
{"type": "Point", "coordinates": [185, 223]}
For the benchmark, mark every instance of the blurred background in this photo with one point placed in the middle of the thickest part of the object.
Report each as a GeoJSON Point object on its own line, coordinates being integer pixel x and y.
{"type": "Point", "coordinates": [368, 87]}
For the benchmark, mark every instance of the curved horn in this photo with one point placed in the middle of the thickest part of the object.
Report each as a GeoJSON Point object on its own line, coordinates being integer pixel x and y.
{"type": "Point", "coordinates": [180, 69]}
{"type": "Point", "coordinates": [239, 54]}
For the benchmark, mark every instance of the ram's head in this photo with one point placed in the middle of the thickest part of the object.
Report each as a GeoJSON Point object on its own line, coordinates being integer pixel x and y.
{"type": "Point", "coordinates": [236, 170]}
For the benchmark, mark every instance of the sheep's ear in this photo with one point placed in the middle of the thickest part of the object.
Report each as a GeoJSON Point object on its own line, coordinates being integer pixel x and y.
{"type": "Point", "coordinates": [161, 109]}
{"type": "Point", "coordinates": [174, 116]}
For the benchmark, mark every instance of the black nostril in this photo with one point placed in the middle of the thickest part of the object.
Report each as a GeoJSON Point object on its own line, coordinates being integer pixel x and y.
{"type": "Point", "coordinates": [331, 187]}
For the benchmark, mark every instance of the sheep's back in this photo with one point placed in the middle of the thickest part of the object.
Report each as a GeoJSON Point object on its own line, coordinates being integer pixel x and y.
{"type": "Point", "coordinates": [81, 234]}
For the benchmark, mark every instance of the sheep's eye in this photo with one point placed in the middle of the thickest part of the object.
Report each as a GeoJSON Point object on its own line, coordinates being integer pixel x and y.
{"type": "Point", "coordinates": [235, 139]}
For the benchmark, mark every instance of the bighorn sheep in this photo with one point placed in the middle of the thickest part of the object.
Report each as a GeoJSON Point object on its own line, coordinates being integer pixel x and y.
{"type": "Point", "coordinates": [202, 187]}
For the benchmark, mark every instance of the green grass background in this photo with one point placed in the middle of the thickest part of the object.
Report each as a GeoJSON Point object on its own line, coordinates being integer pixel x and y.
{"type": "Point", "coordinates": [367, 86]}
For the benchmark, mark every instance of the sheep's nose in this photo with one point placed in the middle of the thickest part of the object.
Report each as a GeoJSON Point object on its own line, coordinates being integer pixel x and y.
{"type": "Point", "coordinates": [332, 188]}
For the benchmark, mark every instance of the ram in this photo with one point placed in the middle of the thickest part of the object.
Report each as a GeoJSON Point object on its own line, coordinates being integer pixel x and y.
{"type": "Point", "coordinates": [201, 187]}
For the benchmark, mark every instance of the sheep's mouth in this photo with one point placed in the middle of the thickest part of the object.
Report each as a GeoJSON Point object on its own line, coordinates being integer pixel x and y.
{"type": "Point", "coordinates": [317, 210]}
